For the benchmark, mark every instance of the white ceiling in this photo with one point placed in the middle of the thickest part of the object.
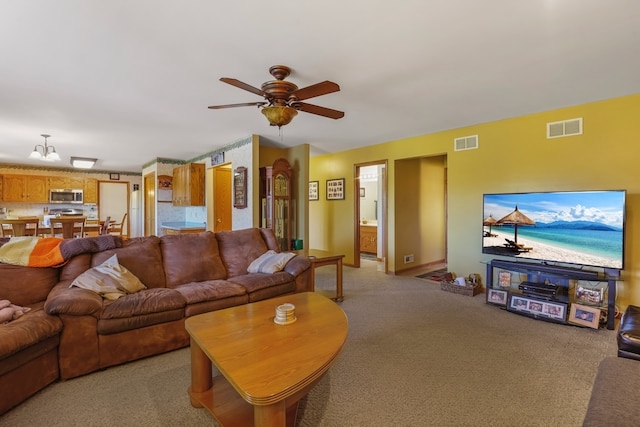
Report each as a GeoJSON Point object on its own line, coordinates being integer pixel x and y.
{"type": "Point", "coordinates": [128, 81]}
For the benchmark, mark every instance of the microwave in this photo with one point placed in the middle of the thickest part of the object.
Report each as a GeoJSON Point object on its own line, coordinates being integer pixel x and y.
{"type": "Point", "coordinates": [65, 195]}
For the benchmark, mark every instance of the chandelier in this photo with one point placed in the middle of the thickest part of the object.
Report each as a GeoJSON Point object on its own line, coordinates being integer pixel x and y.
{"type": "Point", "coordinates": [45, 152]}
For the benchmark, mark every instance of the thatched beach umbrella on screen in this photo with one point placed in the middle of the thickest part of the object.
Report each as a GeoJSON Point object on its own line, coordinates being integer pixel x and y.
{"type": "Point", "coordinates": [515, 218]}
{"type": "Point", "coordinates": [489, 222]}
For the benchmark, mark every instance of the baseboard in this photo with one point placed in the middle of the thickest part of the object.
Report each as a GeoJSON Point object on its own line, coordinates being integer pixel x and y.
{"type": "Point", "coordinates": [433, 265]}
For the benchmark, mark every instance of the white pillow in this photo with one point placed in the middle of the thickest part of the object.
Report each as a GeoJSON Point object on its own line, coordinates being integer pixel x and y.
{"type": "Point", "coordinates": [270, 262]}
{"type": "Point", "coordinates": [110, 280]}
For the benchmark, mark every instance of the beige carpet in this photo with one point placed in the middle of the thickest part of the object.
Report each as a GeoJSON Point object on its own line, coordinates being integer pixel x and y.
{"type": "Point", "coordinates": [415, 356]}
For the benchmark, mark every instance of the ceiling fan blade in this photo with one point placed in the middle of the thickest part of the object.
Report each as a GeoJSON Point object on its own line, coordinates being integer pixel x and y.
{"type": "Point", "coordinates": [242, 85]}
{"type": "Point", "coordinates": [316, 109]}
{"type": "Point", "coordinates": [317, 89]}
{"type": "Point", "coordinates": [244, 104]}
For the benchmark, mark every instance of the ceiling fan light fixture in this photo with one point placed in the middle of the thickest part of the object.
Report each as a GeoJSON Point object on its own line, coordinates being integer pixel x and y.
{"type": "Point", "coordinates": [279, 115]}
{"type": "Point", "coordinates": [83, 162]}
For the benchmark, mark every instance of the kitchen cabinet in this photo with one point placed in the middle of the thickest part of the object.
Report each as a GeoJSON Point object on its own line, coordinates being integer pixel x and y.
{"type": "Point", "coordinates": [90, 190]}
{"type": "Point", "coordinates": [69, 182]}
{"type": "Point", "coordinates": [369, 239]}
{"type": "Point", "coordinates": [25, 188]}
{"type": "Point", "coordinates": [275, 197]}
{"type": "Point", "coordinates": [188, 185]}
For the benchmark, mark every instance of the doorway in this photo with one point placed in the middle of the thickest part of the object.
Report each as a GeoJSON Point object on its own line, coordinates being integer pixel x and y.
{"type": "Point", "coordinates": [114, 203]}
{"type": "Point", "coordinates": [371, 215]}
{"type": "Point", "coordinates": [150, 204]}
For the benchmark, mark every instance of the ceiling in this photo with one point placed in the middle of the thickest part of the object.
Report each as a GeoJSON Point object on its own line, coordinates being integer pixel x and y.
{"type": "Point", "coordinates": [128, 81]}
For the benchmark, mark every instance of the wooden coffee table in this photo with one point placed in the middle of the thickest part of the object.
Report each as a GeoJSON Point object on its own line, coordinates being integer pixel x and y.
{"type": "Point", "coordinates": [265, 368]}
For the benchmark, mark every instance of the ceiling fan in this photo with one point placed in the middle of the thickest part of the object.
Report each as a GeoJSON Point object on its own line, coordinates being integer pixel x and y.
{"type": "Point", "coordinates": [283, 98]}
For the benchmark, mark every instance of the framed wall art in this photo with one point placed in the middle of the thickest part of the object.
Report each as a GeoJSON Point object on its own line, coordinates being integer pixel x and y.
{"type": "Point", "coordinates": [313, 190]}
{"type": "Point", "coordinates": [585, 316]}
{"type": "Point", "coordinates": [335, 189]}
{"type": "Point", "coordinates": [362, 193]}
{"type": "Point", "coordinates": [217, 159]}
{"type": "Point", "coordinates": [240, 187]}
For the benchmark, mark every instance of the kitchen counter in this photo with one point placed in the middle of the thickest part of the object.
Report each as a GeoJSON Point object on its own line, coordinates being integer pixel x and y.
{"type": "Point", "coordinates": [178, 227]}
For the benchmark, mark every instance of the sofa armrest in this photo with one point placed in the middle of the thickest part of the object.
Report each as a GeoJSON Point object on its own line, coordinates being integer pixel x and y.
{"type": "Point", "coordinates": [297, 265]}
{"type": "Point", "coordinates": [73, 301]}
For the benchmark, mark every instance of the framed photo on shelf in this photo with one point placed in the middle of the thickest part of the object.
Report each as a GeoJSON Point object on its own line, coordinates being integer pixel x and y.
{"type": "Point", "coordinates": [585, 316]}
{"type": "Point", "coordinates": [504, 279]}
{"type": "Point", "coordinates": [314, 190]}
{"type": "Point", "coordinates": [497, 296]}
{"type": "Point", "coordinates": [335, 189]}
{"type": "Point", "coordinates": [540, 309]}
{"type": "Point", "coordinates": [589, 295]}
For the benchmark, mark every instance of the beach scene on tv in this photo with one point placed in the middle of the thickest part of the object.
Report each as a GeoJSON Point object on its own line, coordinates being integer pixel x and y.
{"type": "Point", "coordinates": [584, 228]}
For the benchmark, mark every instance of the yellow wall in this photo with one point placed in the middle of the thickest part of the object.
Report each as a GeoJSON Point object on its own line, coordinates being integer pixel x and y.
{"type": "Point", "coordinates": [514, 155]}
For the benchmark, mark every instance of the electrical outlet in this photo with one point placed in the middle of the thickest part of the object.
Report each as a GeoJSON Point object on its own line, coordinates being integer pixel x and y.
{"type": "Point", "coordinates": [408, 259]}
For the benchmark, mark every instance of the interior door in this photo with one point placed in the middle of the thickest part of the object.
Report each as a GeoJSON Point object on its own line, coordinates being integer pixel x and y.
{"type": "Point", "coordinates": [222, 198]}
{"type": "Point", "coordinates": [150, 204]}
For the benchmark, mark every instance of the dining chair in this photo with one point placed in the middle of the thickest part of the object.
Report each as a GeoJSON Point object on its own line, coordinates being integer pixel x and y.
{"type": "Point", "coordinates": [20, 227]}
{"type": "Point", "coordinates": [118, 227]}
{"type": "Point", "coordinates": [68, 227]}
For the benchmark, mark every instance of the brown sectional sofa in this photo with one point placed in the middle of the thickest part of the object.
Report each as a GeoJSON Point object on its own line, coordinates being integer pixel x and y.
{"type": "Point", "coordinates": [72, 331]}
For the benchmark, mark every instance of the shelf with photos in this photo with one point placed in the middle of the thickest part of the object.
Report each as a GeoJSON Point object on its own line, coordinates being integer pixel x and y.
{"type": "Point", "coordinates": [553, 293]}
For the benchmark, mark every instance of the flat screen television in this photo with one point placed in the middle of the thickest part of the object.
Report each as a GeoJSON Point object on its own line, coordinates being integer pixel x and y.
{"type": "Point", "coordinates": [585, 228]}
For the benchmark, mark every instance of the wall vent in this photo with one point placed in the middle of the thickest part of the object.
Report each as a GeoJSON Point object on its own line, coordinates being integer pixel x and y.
{"type": "Point", "coordinates": [466, 143]}
{"type": "Point", "coordinates": [564, 128]}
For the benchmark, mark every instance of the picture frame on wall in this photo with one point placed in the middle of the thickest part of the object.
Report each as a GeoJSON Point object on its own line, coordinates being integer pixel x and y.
{"type": "Point", "coordinates": [217, 158]}
{"type": "Point", "coordinates": [240, 188]}
{"type": "Point", "coordinates": [314, 190]}
{"type": "Point", "coordinates": [584, 315]}
{"type": "Point", "coordinates": [335, 189]}
{"type": "Point", "coordinates": [497, 296]}
{"type": "Point", "coordinates": [114, 176]}
{"type": "Point", "coordinates": [362, 192]}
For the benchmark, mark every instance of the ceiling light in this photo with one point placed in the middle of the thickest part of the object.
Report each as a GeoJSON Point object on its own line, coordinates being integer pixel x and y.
{"type": "Point", "coordinates": [279, 115]}
{"type": "Point", "coordinates": [45, 152]}
{"type": "Point", "coordinates": [83, 162]}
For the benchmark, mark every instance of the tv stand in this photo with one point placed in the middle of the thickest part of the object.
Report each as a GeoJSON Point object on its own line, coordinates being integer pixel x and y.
{"type": "Point", "coordinates": [560, 276]}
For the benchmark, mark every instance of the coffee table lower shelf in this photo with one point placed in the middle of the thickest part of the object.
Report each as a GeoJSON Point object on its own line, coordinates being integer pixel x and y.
{"type": "Point", "coordinates": [228, 408]}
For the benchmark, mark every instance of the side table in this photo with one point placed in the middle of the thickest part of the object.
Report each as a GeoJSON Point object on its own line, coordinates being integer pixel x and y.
{"type": "Point", "coordinates": [320, 258]}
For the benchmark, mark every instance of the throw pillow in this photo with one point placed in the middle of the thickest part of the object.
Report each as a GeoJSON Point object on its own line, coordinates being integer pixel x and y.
{"type": "Point", "coordinates": [109, 279]}
{"type": "Point", "coordinates": [270, 262]}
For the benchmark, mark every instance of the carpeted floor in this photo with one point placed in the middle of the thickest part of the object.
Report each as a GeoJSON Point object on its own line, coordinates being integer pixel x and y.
{"type": "Point", "coordinates": [415, 356]}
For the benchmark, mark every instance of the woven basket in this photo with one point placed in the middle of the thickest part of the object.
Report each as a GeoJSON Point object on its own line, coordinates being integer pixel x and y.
{"type": "Point", "coordinates": [470, 289]}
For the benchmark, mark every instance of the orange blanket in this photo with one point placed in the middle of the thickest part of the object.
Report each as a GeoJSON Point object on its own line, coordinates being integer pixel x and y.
{"type": "Point", "coordinates": [52, 251]}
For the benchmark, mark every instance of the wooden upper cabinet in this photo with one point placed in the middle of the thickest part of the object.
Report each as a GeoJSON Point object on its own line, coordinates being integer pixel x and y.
{"type": "Point", "coordinates": [90, 190]}
{"type": "Point", "coordinates": [66, 182]}
{"type": "Point", "coordinates": [188, 185]}
{"type": "Point", "coordinates": [25, 188]}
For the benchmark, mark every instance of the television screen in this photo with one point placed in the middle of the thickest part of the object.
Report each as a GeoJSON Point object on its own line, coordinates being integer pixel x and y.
{"type": "Point", "coordinates": [574, 227]}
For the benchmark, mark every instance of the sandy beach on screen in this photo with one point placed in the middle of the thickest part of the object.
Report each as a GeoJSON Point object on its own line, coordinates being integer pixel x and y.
{"type": "Point", "coordinates": [546, 251]}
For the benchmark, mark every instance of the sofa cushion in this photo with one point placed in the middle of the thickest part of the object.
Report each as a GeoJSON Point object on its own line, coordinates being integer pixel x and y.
{"type": "Point", "coordinates": [109, 279]}
{"type": "Point", "coordinates": [27, 330]}
{"type": "Point", "coordinates": [262, 285]}
{"type": "Point", "coordinates": [210, 290]}
{"type": "Point", "coordinates": [16, 279]}
{"type": "Point", "coordinates": [144, 308]}
{"type": "Point", "coordinates": [191, 258]}
{"type": "Point", "coordinates": [141, 256]}
{"type": "Point", "coordinates": [270, 262]}
{"type": "Point", "coordinates": [239, 248]}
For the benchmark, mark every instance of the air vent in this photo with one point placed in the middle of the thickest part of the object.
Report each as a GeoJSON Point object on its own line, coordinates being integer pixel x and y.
{"type": "Point", "coordinates": [466, 143]}
{"type": "Point", "coordinates": [564, 128]}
